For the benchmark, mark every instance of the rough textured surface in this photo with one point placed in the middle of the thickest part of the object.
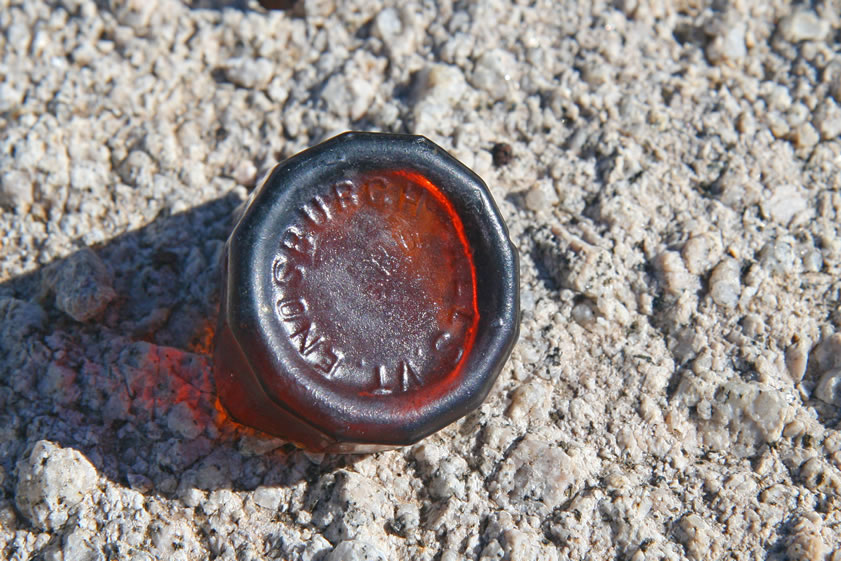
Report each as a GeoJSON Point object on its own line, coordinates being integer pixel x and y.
{"type": "Point", "coordinates": [51, 482]}
{"type": "Point", "coordinates": [669, 171]}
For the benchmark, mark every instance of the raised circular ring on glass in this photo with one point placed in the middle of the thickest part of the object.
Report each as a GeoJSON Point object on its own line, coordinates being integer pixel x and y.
{"type": "Point", "coordinates": [370, 296]}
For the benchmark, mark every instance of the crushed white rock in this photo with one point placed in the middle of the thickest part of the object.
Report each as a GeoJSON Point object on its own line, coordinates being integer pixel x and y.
{"type": "Point", "coordinates": [51, 482]}
{"type": "Point", "coordinates": [725, 283]}
{"type": "Point", "coordinates": [82, 285]}
{"type": "Point", "coordinates": [803, 25]}
{"type": "Point", "coordinates": [674, 198]}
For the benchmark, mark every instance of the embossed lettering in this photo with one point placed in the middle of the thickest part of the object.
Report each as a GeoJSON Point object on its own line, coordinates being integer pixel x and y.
{"type": "Point", "coordinates": [443, 341]}
{"type": "Point", "coordinates": [408, 376]}
{"type": "Point", "coordinates": [402, 230]}
{"type": "Point", "coordinates": [304, 347]}
{"type": "Point", "coordinates": [291, 308]}
{"type": "Point", "coordinates": [381, 389]}
{"type": "Point", "coordinates": [316, 211]}
{"type": "Point", "coordinates": [405, 378]}
{"type": "Point", "coordinates": [345, 194]}
{"type": "Point", "coordinates": [295, 242]}
{"type": "Point", "coordinates": [463, 313]}
{"type": "Point", "coordinates": [378, 193]}
{"type": "Point", "coordinates": [285, 272]}
{"type": "Point", "coordinates": [329, 360]}
{"type": "Point", "coordinates": [411, 200]}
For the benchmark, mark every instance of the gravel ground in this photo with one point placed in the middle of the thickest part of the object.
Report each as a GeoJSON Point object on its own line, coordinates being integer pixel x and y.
{"type": "Point", "coordinates": [673, 185]}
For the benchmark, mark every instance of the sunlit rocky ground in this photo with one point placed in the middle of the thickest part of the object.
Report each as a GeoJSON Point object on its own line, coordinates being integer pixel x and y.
{"type": "Point", "coordinates": [675, 195]}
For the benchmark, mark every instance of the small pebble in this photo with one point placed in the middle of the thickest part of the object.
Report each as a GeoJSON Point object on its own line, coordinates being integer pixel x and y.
{"type": "Point", "coordinates": [250, 72]}
{"type": "Point", "coordinates": [803, 25]}
{"type": "Point", "coordinates": [777, 257]}
{"type": "Point", "coordinates": [16, 190]}
{"type": "Point", "coordinates": [812, 261]}
{"type": "Point", "coordinates": [828, 389]}
{"type": "Point", "coordinates": [827, 119]}
{"type": "Point", "coordinates": [804, 136]}
{"type": "Point", "coordinates": [245, 173]}
{"type": "Point", "coordinates": [82, 285]}
{"type": "Point", "coordinates": [51, 481]}
{"type": "Point", "coordinates": [728, 45]}
{"type": "Point", "coordinates": [406, 520]}
{"type": "Point", "coordinates": [725, 283]}
{"type": "Point", "coordinates": [583, 314]}
{"type": "Point", "coordinates": [541, 197]}
{"type": "Point", "coordinates": [797, 358]}
{"type": "Point", "coordinates": [495, 73]}
{"type": "Point", "coordinates": [807, 542]}
{"type": "Point", "coordinates": [784, 203]}
{"type": "Point", "coordinates": [10, 98]}
{"type": "Point", "coordinates": [502, 154]}
{"type": "Point", "coordinates": [387, 25]}
{"type": "Point", "coordinates": [269, 497]}
{"type": "Point", "coordinates": [355, 550]}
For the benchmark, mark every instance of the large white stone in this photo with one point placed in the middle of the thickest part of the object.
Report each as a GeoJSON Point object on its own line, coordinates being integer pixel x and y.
{"type": "Point", "coordinates": [51, 482]}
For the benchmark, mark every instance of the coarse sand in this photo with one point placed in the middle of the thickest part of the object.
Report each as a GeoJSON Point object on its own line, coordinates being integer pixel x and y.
{"type": "Point", "coordinates": [670, 172]}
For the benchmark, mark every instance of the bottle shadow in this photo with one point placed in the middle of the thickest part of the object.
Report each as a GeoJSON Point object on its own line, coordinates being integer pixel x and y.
{"type": "Point", "coordinates": [133, 388]}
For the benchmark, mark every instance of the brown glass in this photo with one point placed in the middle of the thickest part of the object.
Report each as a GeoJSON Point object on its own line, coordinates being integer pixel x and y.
{"type": "Point", "coordinates": [374, 286]}
{"type": "Point", "coordinates": [370, 296]}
